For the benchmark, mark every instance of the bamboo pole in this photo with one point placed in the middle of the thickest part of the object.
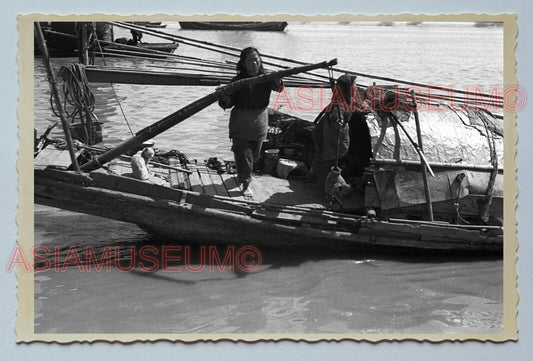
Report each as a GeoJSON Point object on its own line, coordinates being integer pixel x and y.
{"type": "Point", "coordinates": [493, 100]}
{"type": "Point", "coordinates": [187, 39]}
{"type": "Point", "coordinates": [462, 100]}
{"type": "Point", "coordinates": [196, 43]}
{"type": "Point", "coordinates": [84, 48]}
{"type": "Point", "coordinates": [169, 55]}
{"type": "Point", "coordinates": [134, 76]}
{"type": "Point", "coordinates": [55, 93]}
{"type": "Point", "coordinates": [413, 143]}
{"type": "Point", "coordinates": [191, 109]}
{"type": "Point", "coordinates": [437, 165]}
{"type": "Point", "coordinates": [130, 51]}
{"type": "Point", "coordinates": [61, 34]}
{"type": "Point", "coordinates": [427, 191]}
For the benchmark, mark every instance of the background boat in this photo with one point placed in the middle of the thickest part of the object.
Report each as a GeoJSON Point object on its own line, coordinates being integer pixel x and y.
{"type": "Point", "coordinates": [64, 39]}
{"type": "Point", "coordinates": [234, 25]}
{"type": "Point", "coordinates": [143, 50]}
{"type": "Point", "coordinates": [151, 24]}
{"type": "Point", "coordinates": [488, 24]}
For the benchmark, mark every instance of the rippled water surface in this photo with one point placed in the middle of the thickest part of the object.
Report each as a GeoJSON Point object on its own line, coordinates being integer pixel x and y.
{"type": "Point", "coordinates": [296, 290]}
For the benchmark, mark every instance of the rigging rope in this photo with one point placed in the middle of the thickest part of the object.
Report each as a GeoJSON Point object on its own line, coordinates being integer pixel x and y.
{"type": "Point", "coordinates": [447, 94]}
{"type": "Point", "coordinates": [97, 43]}
{"type": "Point", "coordinates": [112, 87]}
{"type": "Point", "coordinates": [121, 110]}
{"type": "Point", "coordinates": [190, 41]}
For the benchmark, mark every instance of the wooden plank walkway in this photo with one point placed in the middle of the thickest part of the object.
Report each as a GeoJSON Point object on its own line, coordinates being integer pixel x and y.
{"type": "Point", "coordinates": [208, 181]}
{"type": "Point", "coordinates": [233, 188]}
{"type": "Point", "coordinates": [264, 187]}
{"type": "Point", "coordinates": [178, 179]}
{"type": "Point", "coordinates": [194, 179]}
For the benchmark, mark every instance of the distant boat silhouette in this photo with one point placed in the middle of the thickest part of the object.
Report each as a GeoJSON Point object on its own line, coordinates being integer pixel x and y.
{"type": "Point", "coordinates": [487, 24]}
{"type": "Point", "coordinates": [235, 25]}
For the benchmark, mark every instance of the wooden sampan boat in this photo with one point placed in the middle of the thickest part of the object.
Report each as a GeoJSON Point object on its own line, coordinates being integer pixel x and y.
{"type": "Point", "coordinates": [198, 204]}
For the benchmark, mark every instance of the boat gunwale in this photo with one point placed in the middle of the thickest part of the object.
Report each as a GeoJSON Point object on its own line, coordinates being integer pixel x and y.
{"type": "Point", "coordinates": [88, 180]}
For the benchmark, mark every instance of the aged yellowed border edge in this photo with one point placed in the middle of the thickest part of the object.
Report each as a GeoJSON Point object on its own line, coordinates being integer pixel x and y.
{"type": "Point", "coordinates": [24, 326]}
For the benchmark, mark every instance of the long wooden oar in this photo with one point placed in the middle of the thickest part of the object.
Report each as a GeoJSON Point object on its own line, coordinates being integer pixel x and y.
{"type": "Point", "coordinates": [175, 118]}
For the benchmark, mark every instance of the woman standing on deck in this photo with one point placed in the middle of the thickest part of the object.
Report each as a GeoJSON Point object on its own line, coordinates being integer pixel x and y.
{"type": "Point", "coordinates": [248, 124]}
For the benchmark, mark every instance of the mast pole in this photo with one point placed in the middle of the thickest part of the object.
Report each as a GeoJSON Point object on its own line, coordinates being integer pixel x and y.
{"type": "Point", "coordinates": [55, 94]}
{"type": "Point", "coordinates": [84, 50]}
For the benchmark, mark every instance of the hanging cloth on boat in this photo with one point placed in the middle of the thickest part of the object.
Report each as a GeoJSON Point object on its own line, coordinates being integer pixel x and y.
{"type": "Point", "coordinates": [332, 131]}
{"type": "Point", "coordinates": [332, 140]}
{"type": "Point", "coordinates": [331, 136]}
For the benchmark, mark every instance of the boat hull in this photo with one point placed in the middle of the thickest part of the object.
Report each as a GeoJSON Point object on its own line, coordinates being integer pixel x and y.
{"type": "Point", "coordinates": [150, 50]}
{"type": "Point", "coordinates": [186, 216]}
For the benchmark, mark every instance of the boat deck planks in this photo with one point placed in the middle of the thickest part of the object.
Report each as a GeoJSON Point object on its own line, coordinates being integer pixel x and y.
{"type": "Point", "coordinates": [217, 181]}
{"type": "Point", "coordinates": [208, 181]}
{"type": "Point", "coordinates": [264, 187]}
{"type": "Point", "coordinates": [232, 186]}
{"type": "Point", "coordinates": [54, 157]}
{"type": "Point", "coordinates": [177, 178]}
{"type": "Point", "coordinates": [194, 178]}
{"type": "Point", "coordinates": [207, 184]}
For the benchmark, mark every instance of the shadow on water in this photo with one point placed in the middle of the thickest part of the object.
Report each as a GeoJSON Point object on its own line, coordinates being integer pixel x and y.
{"type": "Point", "coordinates": [218, 264]}
{"type": "Point", "coordinates": [294, 256]}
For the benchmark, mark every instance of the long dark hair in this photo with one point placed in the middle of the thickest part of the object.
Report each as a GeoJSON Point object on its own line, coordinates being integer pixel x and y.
{"type": "Point", "coordinates": [241, 68]}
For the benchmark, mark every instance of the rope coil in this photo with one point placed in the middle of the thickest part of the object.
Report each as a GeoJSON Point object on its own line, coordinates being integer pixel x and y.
{"type": "Point", "coordinates": [79, 103]}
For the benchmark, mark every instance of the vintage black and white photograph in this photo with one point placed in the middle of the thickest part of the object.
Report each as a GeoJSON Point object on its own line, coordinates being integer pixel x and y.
{"type": "Point", "coordinates": [220, 178]}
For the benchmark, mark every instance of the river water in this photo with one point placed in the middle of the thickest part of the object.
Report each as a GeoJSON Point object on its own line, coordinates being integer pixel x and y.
{"type": "Point", "coordinates": [295, 291]}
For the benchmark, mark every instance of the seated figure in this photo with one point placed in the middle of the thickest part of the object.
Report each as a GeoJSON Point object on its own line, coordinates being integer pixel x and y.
{"type": "Point", "coordinates": [139, 163]}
